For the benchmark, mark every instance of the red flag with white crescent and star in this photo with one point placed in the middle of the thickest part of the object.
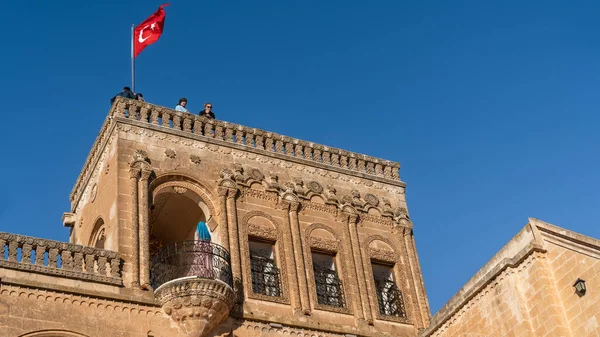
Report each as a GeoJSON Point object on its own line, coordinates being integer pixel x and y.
{"type": "Point", "coordinates": [149, 31]}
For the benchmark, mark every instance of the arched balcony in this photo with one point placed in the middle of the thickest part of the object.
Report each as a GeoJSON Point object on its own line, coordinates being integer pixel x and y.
{"type": "Point", "coordinates": [189, 270]}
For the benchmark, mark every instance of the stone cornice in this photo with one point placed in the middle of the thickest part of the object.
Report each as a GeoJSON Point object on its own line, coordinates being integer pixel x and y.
{"type": "Point", "coordinates": [222, 133]}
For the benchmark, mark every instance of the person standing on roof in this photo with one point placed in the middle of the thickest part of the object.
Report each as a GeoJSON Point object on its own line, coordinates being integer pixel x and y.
{"type": "Point", "coordinates": [207, 112]}
{"type": "Point", "coordinates": [181, 106]}
{"type": "Point", "coordinates": [127, 93]}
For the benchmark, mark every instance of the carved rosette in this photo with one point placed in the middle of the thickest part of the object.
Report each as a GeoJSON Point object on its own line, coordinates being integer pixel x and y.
{"type": "Point", "coordinates": [197, 305]}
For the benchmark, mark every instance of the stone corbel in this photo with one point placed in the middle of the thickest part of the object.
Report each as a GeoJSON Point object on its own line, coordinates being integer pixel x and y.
{"type": "Point", "coordinates": [69, 219]}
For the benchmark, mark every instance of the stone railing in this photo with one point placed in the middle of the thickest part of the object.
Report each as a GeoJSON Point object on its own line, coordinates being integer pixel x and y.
{"type": "Point", "coordinates": [256, 139]}
{"type": "Point", "coordinates": [59, 258]}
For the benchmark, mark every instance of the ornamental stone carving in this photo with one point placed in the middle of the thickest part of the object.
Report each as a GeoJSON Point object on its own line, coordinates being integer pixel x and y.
{"type": "Point", "coordinates": [140, 155]}
{"type": "Point", "coordinates": [170, 153]}
{"type": "Point", "coordinates": [197, 305]}
{"type": "Point", "coordinates": [180, 190]}
{"type": "Point", "coordinates": [263, 232]}
{"type": "Point", "coordinates": [323, 244]}
{"type": "Point", "coordinates": [94, 193]}
{"type": "Point", "coordinates": [383, 255]}
{"type": "Point", "coordinates": [195, 159]}
{"type": "Point", "coordinates": [315, 187]}
{"type": "Point", "coordinates": [371, 199]}
{"type": "Point", "coordinates": [273, 180]}
{"type": "Point", "coordinates": [402, 213]}
{"type": "Point", "coordinates": [226, 173]}
{"type": "Point", "coordinates": [256, 174]}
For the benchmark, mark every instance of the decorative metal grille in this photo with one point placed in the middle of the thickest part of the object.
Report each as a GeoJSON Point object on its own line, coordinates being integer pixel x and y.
{"type": "Point", "coordinates": [265, 276]}
{"type": "Point", "coordinates": [190, 258]}
{"type": "Point", "coordinates": [329, 287]}
{"type": "Point", "coordinates": [390, 298]}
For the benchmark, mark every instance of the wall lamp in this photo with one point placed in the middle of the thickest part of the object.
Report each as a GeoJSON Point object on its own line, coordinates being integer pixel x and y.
{"type": "Point", "coordinates": [580, 287]}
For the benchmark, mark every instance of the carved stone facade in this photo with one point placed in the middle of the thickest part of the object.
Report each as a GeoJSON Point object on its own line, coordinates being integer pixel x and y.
{"type": "Point", "coordinates": [171, 171]}
{"type": "Point", "coordinates": [277, 210]}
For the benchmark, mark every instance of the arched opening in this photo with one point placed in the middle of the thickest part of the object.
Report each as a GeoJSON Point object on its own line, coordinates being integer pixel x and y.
{"type": "Point", "coordinates": [98, 237]}
{"type": "Point", "coordinates": [174, 217]}
{"type": "Point", "coordinates": [183, 238]}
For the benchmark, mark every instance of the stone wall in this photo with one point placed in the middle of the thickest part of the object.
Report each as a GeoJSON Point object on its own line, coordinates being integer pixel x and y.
{"type": "Point", "coordinates": [574, 256]}
{"type": "Point", "coordinates": [527, 289]}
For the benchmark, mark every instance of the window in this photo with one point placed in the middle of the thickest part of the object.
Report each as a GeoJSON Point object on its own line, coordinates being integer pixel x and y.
{"type": "Point", "coordinates": [265, 274]}
{"type": "Point", "coordinates": [328, 284]}
{"type": "Point", "coordinates": [388, 295]}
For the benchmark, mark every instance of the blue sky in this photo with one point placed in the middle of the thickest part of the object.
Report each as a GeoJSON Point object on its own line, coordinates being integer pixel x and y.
{"type": "Point", "coordinates": [492, 109]}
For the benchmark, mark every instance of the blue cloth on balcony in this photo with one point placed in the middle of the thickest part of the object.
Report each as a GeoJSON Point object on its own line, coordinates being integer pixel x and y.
{"type": "Point", "coordinates": [202, 231]}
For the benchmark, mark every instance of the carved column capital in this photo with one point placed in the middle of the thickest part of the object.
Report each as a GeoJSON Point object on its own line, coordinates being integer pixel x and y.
{"type": "Point", "coordinates": [222, 191]}
{"type": "Point", "coordinates": [134, 173]}
{"type": "Point", "coordinates": [145, 174]}
{"type": "Point", "coordinates": [232, 192]}
{"type": "Point", "coordinates": [294, 206]}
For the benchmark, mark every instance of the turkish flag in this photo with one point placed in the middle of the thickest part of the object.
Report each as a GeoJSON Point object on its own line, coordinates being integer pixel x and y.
{"type": "Point", "coordinates": [148, 31]}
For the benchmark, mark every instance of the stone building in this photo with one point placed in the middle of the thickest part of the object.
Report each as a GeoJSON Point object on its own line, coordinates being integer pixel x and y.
{"type": "Point", "coordinates": [532, 287]}
{"type": "Point", "coordinates": [298, 239]}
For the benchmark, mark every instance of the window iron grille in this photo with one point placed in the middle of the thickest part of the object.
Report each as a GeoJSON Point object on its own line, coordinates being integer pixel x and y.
{"type": "Point", "coordinates": [329, 287]}
{"type": "Point", "coordinates": [390, 298]}
{"type": "Point", "coordinates": [265, 276]}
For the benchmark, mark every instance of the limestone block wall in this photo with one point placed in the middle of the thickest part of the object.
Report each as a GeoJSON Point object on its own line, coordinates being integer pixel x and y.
{"type": "Point", "coordinates": [527, 289]}
{"type": "Point", "coordinates": [573, 258]}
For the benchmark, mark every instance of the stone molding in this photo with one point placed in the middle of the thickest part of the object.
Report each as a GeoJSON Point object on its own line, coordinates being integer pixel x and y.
{"type": "Point", "coordinates": [285, 330]}
{"type": "Point", "coordinates": [77, 300]}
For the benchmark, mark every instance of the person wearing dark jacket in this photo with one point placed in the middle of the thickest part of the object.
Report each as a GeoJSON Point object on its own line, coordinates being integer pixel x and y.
{"type": "Point", "coordinates": [127, 93]}
{"type": "Point", "coordinates": [207, 112]}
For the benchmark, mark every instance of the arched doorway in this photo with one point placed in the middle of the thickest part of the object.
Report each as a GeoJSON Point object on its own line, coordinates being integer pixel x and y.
{"type": "Point", "coordinates": [184, 240]}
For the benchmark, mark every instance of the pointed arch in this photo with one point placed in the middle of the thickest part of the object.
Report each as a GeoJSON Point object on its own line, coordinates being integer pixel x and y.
{"type": "Point", "coordinates": [98, 236]}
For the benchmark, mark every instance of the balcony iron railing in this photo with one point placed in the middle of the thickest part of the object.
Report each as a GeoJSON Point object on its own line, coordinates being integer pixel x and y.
{"type": "Point", "coordinates": [329, 287]}
{"type": "Point", "coordinates": [191, 258]}
{"type": "Point", "coordinates": [265, 276]}
{"type": "Point", "coordinates": [390, 299]}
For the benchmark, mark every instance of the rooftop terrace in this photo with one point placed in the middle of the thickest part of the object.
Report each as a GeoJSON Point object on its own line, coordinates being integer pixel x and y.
{"type": "Point", "coordinates": [245, 138]}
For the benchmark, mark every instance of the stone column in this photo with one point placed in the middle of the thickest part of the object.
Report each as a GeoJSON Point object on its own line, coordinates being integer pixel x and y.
{"type": "Point", "coordinates": [353, 268]}
{"type": "Point", "coordinates": [234, 243]}
{"type": "Point", "coordinates": [419, 289]}
{"type": "Point", "coordinates": [223, 218]}
{"type": "Point", "coordinates": [290, 259]}
{"type": "Point", "coordinates": [360, 269]}
{"type": "Point", "coordinates": [135, 225]}
{"type": "Point", "coordinates": [403, 274]}
{"type": "Point", "coordinates": [297, 245]}
{"type": "Point", "coordinates": [144, 230]}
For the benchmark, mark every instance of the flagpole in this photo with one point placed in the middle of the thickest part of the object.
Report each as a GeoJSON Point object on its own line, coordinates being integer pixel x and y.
{"type": "Point", "coordinates": [132, 61]}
